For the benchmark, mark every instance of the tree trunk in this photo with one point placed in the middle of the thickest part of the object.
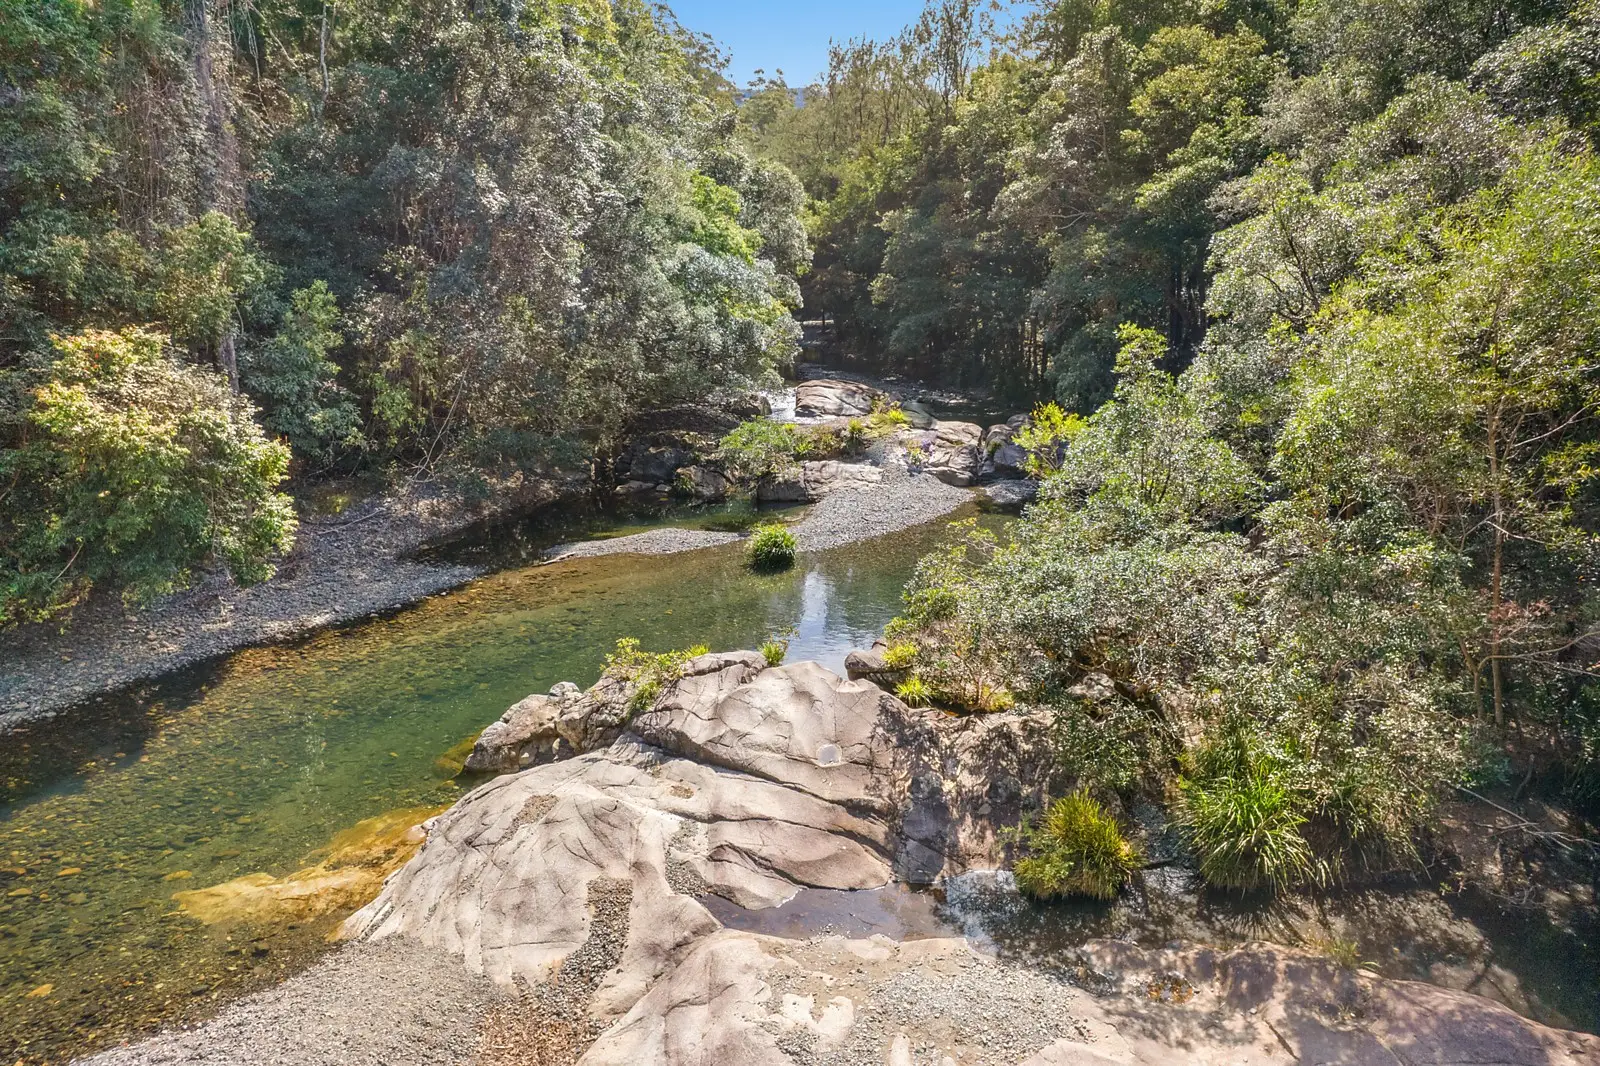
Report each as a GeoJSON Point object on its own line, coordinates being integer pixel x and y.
{"type": "Point", "coordinates": [1498, 507]}
{"type": "Point", "coordinates": [228, 361]}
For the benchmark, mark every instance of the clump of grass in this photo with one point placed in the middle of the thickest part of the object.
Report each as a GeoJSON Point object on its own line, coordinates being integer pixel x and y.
{"type": "Point", "coordinates": [648, 672]}
{"type": "Point", "coordinates": [776, 647]}
{"type": "Point", "coordinates": [1243, 818]}
{"type": "Point", "coordinates": [1077, 850]}
{"type": "Point", "coordinates": [914, 692]}
{"type": "Point", "coordinates": [1339, 950]}
{"type": "Point", "coordinates": [770, 548]}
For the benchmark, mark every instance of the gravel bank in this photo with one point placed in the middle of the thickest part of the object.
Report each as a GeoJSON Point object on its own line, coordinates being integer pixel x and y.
{"type": "Point", "coordinates": [341, 569]}
{"type": "Point", "coordinates": [394, 1003]}
{"type": "Point", "coordinates": [666, 541]}
{"type": "Point", "coordinates": [899, 502]}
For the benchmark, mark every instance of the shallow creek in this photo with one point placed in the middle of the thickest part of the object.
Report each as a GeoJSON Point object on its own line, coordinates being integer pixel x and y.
{"type": "Point", "coordinates": [255, 763]}
{"type": "Point", "coordinates": [260, 762]}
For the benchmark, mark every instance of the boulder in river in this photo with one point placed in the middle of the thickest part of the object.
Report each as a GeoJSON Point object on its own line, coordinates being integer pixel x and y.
{"type": "Point", "coordinates": [831, 398]}
{"type": "Point", "coordinates": [951, 451]}
{"type": "Point", "coordinates": [703, 483]}
{"type": "Point", "coordinates": [525, 735]}
{"type": "Point", "coordinates": [1012, 493]}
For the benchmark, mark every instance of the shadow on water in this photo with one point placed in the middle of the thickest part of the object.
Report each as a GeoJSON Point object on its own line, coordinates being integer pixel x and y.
{"type": "Point", "coordinates": [1406, 931]}
{"type": "Point", "coordinates": [253, 763]}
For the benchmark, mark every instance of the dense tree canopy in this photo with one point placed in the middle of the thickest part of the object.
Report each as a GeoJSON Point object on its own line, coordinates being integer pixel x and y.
{"type": "Point", "coordinates": [1323, 278]}
{"type": "Point", "coordinates": [431, 234]}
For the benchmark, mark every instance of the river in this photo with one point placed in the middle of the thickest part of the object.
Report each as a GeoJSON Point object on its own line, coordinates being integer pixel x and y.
{"type": "Point", "coordinates": [253, 763]}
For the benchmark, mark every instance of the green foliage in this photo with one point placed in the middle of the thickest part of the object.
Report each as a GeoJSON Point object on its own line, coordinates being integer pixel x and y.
{"type": "Point", "coordinates": [1076, 850]}
{"type": "Point", "coordinates": [914, 692]}
{"type": "Point", "coordinates": [292, 377]}
{"type": "Point", "coordinates": [762, 448]}
{"type": "Point", "coordinates": [647, 672]}
{"type": "Point", "coordinates": [959, 646]}
{"type": "Point", "coordinates": [1244, 818]}
{"type": "Point", "coordinates": [770, 547]}
{"type": "Point", "coordinates": [900, 655]}
{"type": "Point", "coordinates": [1045, 437]}
{"type": "Point", "coordinates": [124, 467]}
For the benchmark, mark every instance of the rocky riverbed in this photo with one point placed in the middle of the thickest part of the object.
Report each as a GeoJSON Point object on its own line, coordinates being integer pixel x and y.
{"type": "Point", "coordinates": [578, 885]}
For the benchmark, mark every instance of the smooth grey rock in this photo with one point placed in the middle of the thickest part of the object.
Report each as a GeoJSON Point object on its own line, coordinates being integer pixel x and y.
{"type": "Point", "coordinates": [918, 413]}
{"type": "Point", "coordinates": [1011, 493]}
{"type": "Point", "coordinates": [815, 479]}
{"type": "Point", "coordinates": [828, 398]}
{"type": "Point", "coordinates": [951, 451]}
{"type": "Point", "coordinates": [704, 483]}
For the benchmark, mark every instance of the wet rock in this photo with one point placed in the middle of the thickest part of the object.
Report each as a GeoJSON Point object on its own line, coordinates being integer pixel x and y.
{"type": "Point", "coordinates": [918, 413]}
{"type": "Point", "coordinates": [828, 398]}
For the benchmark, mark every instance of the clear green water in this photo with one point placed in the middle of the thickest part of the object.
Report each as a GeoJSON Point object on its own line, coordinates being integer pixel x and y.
{"type": "Point", "coordinates": [253, 763]}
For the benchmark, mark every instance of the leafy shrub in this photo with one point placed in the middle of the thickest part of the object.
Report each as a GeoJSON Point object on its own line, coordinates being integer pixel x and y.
{"type": "Point", "coordinates": [648, 672]}
{"type": "Point", "coordinates": [1045, 437]}
{"type": "Point", "coordinates": [762, 448]}
{"type": "Point", "coordinates": [292, 377]}
{"type": "Point", "coordinates": [953, 614]}
{"type": "Point", "coordinates": [1244, 818]}
{"type": "Point", "coordinates": [883, 422]}
{"type": "Point", "coordinates": [900, 655]}
{"type": "Point", "coordinates": [914, 692]}
{"type": "Point", "coordinates": [122, 465]}
{"type": "Point", "coordinates": [770, 548]}
{"type": "Point", "coordinates": [1078, 850]}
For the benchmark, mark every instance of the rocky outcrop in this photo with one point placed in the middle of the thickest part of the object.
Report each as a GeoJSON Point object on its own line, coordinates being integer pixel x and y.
{"type": "Point", "coordinates": [815, 479]}
{"type": "Point", "coordinates": [746, 781]}
{"type": "Point", "coordinates": [950, 451]}
{"type": "Point", "coordinates": [763, 1001]}
{"type": "Point", "coordinates": [525, 735]}
{"type": "Point", "coordinates": [587, 876]}
{"type": "Point", "coordinates": [703, 483]}
{"type": "Point", "coordinates": [831, 398]}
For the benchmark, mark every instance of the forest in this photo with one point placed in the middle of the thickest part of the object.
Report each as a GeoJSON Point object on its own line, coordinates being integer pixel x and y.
{"type": "Point", "coordinates": [245, 241]}
{"type": "Point", "coordinates": [1312, 294]}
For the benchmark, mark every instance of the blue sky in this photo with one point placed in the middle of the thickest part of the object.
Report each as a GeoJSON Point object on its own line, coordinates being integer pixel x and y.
{"type": "Point", "coordinates": [790, 36]}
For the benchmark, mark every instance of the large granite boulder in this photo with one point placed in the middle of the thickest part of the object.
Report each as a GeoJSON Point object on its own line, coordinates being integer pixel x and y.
{"type": "Point", "coordinates": [814, 479]}
{"type": "Point", "coordinates": [829, 398]}
{"type": "Point", "coordinates": [951, 451]}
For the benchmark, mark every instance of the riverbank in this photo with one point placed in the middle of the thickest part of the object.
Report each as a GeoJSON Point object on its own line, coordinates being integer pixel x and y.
{"type": "Point", "coordinates": [342, 568]}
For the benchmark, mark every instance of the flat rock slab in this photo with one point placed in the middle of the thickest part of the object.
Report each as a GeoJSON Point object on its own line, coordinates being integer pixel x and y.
{"type": "Point", "coordinates": [763, 1001]}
